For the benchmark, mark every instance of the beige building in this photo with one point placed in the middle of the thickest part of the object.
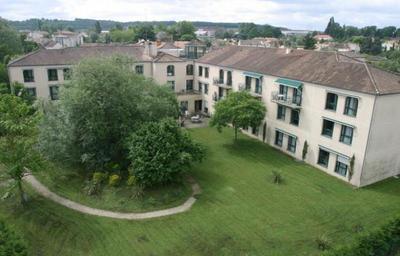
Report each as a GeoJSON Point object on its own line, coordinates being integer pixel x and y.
{"type": "Point", "coordinates": [44, 71]}
{"type": "Point", "coordinates": [342, 107]}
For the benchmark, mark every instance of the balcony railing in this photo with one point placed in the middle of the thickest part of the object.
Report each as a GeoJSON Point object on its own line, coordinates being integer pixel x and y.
{"type": "Point", "coordinates": [257, 92]}
{"type": "Point", "coordinates": [221, 83]}
{"type": "Point", "coordinates": [293, 102]}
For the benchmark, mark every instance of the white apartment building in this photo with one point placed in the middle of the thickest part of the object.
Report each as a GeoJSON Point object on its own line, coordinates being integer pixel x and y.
{"type": "Point", "coordinates": [340, 106]}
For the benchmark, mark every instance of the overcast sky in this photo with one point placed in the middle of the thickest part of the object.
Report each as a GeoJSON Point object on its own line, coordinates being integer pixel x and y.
{"type": "Point", "coordinates": [306, 14]}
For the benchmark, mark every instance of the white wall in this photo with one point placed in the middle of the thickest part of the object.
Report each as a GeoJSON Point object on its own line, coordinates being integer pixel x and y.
{"type": "Point", "coordinates": [383, 151]}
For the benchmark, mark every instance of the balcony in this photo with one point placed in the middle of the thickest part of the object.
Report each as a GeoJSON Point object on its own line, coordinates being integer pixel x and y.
{"type": "Point", "coordinates": [189, 92]}
{"type": "Point", "coordinates": [291, 102]}
{"type": "Point", "coordinates": [220, 83]}
{"type": "Point", "coordinates": [256, 93]}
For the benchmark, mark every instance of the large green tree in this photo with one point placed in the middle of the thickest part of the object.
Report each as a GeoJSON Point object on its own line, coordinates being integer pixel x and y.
{"type": "Point", "coordinates": [10, 41]}
{"type": "Point", "coordinates": [183, 30]}
{"type": "Point", "coordinates": [101, 106]}
{"type": "Point", "coordinates": [160, 152]}
{"type": "Point", "coordinates": [18, 129]}
{"type": "Point", "coordinates": [238, 109]}
{"type": "Point", "coordinates": [309, 42]}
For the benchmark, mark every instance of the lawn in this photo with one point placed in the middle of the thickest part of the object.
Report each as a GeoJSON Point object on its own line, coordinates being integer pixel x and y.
{"type": "Point", "coordinates": [239, 213]}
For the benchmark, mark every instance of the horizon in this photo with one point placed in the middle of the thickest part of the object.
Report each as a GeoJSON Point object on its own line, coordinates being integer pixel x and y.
{"type": "Point", "coordinates": [304, 15]}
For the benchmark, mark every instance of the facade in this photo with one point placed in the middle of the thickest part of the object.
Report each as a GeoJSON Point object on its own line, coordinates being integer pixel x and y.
{"type": "Point", "coordinates": [343, 108]}
{"type": "Point", "coordinates": [68, 39]}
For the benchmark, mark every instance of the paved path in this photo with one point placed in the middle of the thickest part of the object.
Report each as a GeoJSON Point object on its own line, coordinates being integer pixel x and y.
{"type": "Point", "coordinates": [44, 191]}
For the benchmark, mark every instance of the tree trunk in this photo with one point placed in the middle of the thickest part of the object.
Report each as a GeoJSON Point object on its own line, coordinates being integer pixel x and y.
{"type": "Point", "coordinates": [236, 132]}
{"type": "Point", "coordinates": [21, 192]}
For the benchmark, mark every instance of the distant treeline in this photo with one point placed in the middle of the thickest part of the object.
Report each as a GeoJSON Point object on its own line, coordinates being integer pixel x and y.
{"type": "Point", "coordinates": [85, 24]}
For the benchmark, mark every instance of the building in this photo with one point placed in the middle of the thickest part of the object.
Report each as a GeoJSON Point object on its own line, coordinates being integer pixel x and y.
{"type": "Point", "coordinates": [295, 32]}
{"type": "Point", "coordinates": [43, 72]}
{"type": "Point", "coordinates": [323, 38]}
{"type": "Point", "coordinates": [68, 38]}
{"type": "Point", "coordinates": [391, 44]}
{"type": "Point", "coordinates": [340, 106]}
{"type": "Point", "coordinates": [266, 42]}
{"type": "Point", "coordinates": [343, 107]}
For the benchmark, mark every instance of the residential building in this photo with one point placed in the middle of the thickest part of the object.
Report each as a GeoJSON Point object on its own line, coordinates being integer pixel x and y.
{"type": "Point", "coordinates": [266, 42]}
{"type": "Point", "coordinates": [323, 38]}
{"type": "Point", "coordinates": [391, 44]}
{"type": "Point", "coordinates": [68, 38]}
{"type": "Point", "coordinates": [342, 107]}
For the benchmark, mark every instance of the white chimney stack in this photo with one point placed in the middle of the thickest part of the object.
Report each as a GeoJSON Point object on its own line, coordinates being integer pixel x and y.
{"type": "Point", "coordinates": [150, 49]}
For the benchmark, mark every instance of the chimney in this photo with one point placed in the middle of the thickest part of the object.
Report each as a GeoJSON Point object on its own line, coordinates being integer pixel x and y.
{"type": "Point", "coordinates": [150, 49]}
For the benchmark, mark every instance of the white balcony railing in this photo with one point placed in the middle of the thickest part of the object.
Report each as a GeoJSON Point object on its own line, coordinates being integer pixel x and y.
{"type": "Point", "coordinates": [293, 102]}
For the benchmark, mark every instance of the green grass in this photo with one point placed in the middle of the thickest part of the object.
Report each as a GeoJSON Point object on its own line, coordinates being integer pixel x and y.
{"type": "Point", "coordinates": [71, 183]}
{"type": "Point", "coordinates": [241, 212]}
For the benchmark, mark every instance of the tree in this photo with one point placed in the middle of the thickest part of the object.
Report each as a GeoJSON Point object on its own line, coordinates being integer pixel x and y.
{"type": "Point", "coordinates": [351, 167]}
{"type": "Point", "coordinates": [102, 105]}
{"type": "Point", "coordinates": [309, 42]}
{"type": "Point", "coordinates": [97, 27]}
{"type": "Point", "coordinates": [248, 30]}
{"type": "Point", "coordinates": [160, 152]}
{"type": "Point", "coordinates": [18, 124]}
{"type": "Point", "coordinates": [145, 32]}
{"type": "Point", "coordinates": [123, 36]}
{"type": "Point", "coordinates": [10, 42]}
{"type": "Point", "coordinates": [371, 46]}
{"type": "Point", "coordinates": [182, 28]}
{"type": "Point", "coordinates": [334, 29]}
{"type": "Point", "coordinates": [305, 151]}
{"type": "Point", "coordinates": [239, 109]}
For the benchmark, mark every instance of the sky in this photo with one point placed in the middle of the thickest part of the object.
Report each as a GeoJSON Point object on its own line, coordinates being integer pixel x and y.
{"type": "Point", "coordinates": [306, 14]}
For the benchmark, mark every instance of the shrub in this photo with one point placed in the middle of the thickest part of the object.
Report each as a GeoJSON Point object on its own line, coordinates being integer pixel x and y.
{"type": "Point", "coordinates": [131, 180]}
{"type": "Point", "coordinates": [323, 243]}
{"type": "Point", "coordinates": [114, 180]}
{"type": "Point", "coordinates": [383, 242]}
{"type": "Point", "coordinates": [138, 192]}
{"type": "Point", "coordinates": [99, 177]}
{"type": "Point", "coordinates": [10, 243]}
{"type": "Point", "coordinates": [160, 152]}
{"type": "Point", "coordinates": [305, 151]}
{"type": "Point", "coordinates": [277, 177]}
{"type": "Point", "coordinates": [92, 188]}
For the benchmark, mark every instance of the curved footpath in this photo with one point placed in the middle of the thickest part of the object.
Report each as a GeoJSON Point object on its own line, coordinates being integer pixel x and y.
{"type": "Point", "coordinates": [45, 192]}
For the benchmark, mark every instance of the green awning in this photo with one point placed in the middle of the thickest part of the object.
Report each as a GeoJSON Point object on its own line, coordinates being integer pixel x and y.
{"type": "Point", "coordinates": [252, 74]}
{"type": "Point", "coordinates": [289, 82]}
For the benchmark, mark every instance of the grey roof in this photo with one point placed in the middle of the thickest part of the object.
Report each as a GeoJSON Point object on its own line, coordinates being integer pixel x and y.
{"type": "Point", "coordinates": [68, 56]}
{"type": "Point", "coordinates": [321, 68]}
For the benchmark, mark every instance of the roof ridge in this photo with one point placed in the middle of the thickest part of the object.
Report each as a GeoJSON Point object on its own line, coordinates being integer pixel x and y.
{"type": "Point", "coordinates": [372, 79]}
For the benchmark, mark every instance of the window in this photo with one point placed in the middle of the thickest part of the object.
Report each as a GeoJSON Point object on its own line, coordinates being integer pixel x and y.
{"type": "Point", "coordinates": [139, 69]}
{"type": "Point", "coordinates": [54, 92]}
{"type": "Point", "coordinates": [170, 70]}
{"type": "Point", "coordinates": [221, 76]}
{"type": "Point", "coordinates": [229, 78]}
{"type": "Point", "coordinates": [350, 107]}
{"type": "Point", "coordinates": [200, 87]}
{"type": "Point", "coordinates": [171, 84]}
{"type": "Point", "coordinates": [283, 90]}
{"type": "Point", "coordinates": [327, 128]}
{"type": "Point", "coordinates": [184, 106]}
{"type": "Point", "coordinates": [346, 134]}
{"type": "Point", "coordinates": [189, 85]}
{"type": "Point", "coordinates": [296, 96]}
{"type": "Point", "coordinates": [278, 138]}
{"type": "Point", "coordinates": [206, 72]}
{"type": "Point", "coordinates": [31, 92]}
{"type": "Point", "coordinates": [295, 117]}
{"type": "Point", "coordinates": [331, 101]}
{"type": "Point", "coordinates": [205, 106]}
{"type": "Point", "coordinates": [52, 74]}
{"type": "Point", "coordinates": [200, 71]}
{"type": "Point", "coordinates": [291, 146]}
{"type": "Point", "coordinates": [67, 73]}
{"type": "Point", "coordinates": [258, 88]}
{"type": "Point", "coordinates": [281, 113]}
{"type": "Point", "coordinates": [189, 70]}
{"type": "Point", "coordinates": [205, 88]}
{"type": "Point", "coordinates": [248, 83]}
{"type": "Point", "coordinates": [341, 166]}
{"type": "Point", "coordinates": [28, 76]}
{"type": "Point", "coordinates": [323, 158]}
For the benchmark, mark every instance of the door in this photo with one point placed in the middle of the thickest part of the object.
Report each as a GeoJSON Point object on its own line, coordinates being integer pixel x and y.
{"type": "Point", "coordinates": [198, 104]}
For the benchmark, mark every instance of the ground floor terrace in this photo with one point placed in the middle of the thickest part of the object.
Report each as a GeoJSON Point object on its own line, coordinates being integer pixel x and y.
{"type": "Point", "coordinates": [240, 211]}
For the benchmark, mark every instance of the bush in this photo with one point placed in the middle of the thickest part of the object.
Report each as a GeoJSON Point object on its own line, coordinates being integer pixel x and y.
{"type": "Point", "coordinates": [160, 152]}
{"type": "Point", "coordinates": [323, 243]}
{"type": "Point", "coordinates": [10, 243]}
{"type": "Point", "coordinates": [383, 242]}
{"type": "Point", "coordinates": [277, 177]}
{"type": "Point", "coordinates": [114, 180]}
{"type": "Point", "coordinates": [131, 180]}
{"type": "Point", "coordinates": [99, 177]}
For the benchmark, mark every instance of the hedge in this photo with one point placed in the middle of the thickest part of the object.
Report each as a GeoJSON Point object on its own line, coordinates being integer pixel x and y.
{"type": "Point", "coordinates": [10, 243]}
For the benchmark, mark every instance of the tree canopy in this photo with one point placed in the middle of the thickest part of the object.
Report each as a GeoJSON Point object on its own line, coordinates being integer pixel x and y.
{"type": "Point", "coordinates": [160, 152]}
{"type": "Point", "coordinates": [101, 106]}
{"type": "Point", "coordinates": [239, 109]}
{"type": "Point", "coordinates": [309, 42]}
{"type": "Point", "coordinates": [251, 30]}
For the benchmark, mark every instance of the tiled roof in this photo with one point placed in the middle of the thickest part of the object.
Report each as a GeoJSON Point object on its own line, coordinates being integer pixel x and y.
{"type": "Point", "coordinates": [165, 57]}
{"type": "Point", "coordinates": [68, 56]}
{"type": "Point", "coordinates": [321, 68]}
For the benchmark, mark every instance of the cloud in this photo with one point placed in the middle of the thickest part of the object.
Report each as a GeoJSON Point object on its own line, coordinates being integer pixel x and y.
{"type": "Point", "coordinates": [307, 14]}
